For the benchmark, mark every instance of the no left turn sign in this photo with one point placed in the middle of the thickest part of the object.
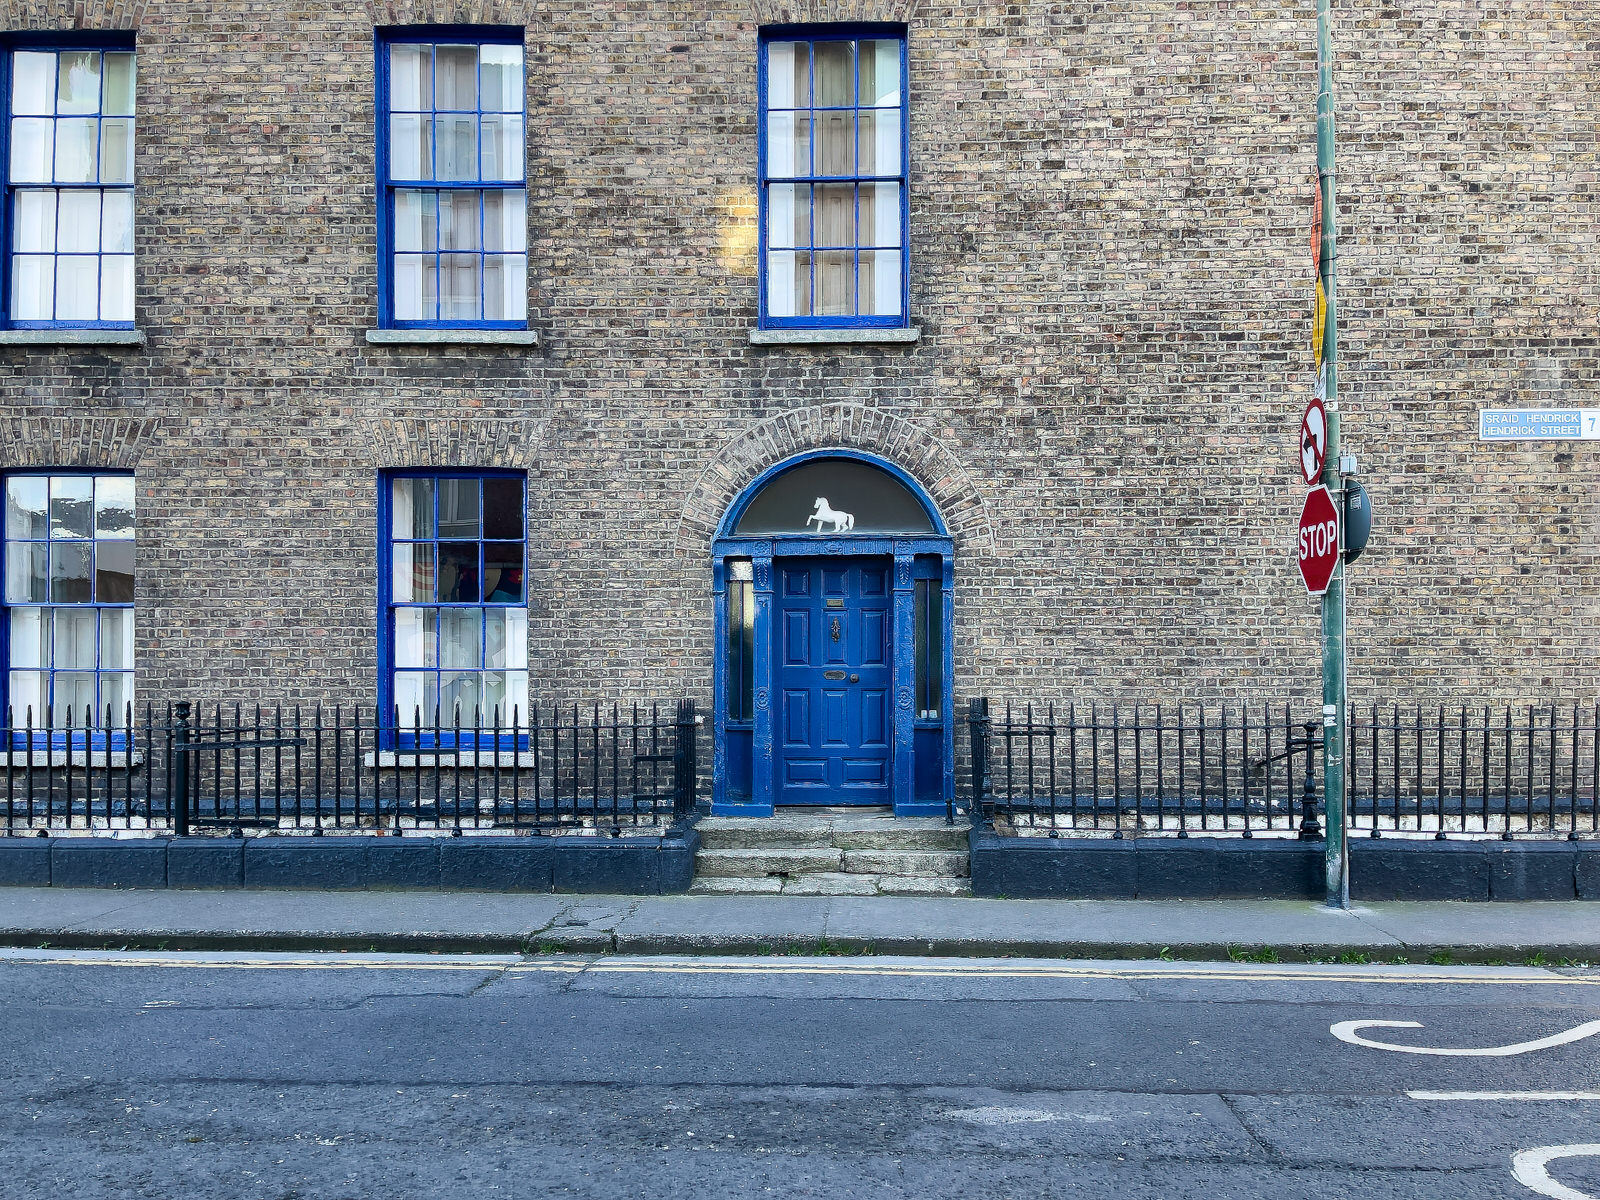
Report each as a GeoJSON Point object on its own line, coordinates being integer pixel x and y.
{"type": "Point", "coordinates": [1313, 441]}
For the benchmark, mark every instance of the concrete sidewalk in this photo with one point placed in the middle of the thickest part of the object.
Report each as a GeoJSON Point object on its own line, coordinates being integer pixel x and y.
{"type": "Point", "coordinates": [499, 923]}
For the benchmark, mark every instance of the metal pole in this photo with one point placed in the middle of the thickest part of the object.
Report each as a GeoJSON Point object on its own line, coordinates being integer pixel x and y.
{"type": "Point", "coordinates": [1334, 684]}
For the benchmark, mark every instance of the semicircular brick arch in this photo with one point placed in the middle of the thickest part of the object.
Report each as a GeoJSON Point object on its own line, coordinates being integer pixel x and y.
{"type": "Point", "coordinates": [842, 426]}
{"type": "Point", "coordinates": [71, 14]}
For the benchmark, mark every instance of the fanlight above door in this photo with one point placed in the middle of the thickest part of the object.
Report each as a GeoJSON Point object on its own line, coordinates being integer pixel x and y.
{"type": "Point", "coordinates": [834, 497]}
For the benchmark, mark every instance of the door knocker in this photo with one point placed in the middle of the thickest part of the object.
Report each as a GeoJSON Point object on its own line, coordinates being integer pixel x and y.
{"type": "Point", "coordinates": [835, 630]}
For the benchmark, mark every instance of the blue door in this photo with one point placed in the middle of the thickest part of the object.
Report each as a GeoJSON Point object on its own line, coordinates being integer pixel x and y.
{"type": "Point", "coordinates": [835, 723]}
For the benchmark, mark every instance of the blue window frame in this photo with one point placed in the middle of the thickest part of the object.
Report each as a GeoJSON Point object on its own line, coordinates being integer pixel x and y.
{"type": "Point", "coordinates": [66, 197]}
{"type": "Point", "coordinates": [452, 222]}
{"type": "Point", "coordinates": [833, 166]}
{"type": "Point", "coordinates": [455, 619]}
{"type": "Point", "coordinates": [68, 600]}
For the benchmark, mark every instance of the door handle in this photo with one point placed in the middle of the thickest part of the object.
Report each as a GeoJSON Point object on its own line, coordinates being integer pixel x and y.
{"type": "Point", "coordinates": [855, 679]}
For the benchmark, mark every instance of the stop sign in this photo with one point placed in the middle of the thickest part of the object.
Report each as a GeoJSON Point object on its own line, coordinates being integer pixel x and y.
{"type": "Point", "coordinates": [1318, 548]}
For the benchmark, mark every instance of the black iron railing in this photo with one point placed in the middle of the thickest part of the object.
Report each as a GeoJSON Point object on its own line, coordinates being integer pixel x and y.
{"type": "Point", "coordinates": [1184, 770]}
{"type": "Point", "coordinates": [189, 769]}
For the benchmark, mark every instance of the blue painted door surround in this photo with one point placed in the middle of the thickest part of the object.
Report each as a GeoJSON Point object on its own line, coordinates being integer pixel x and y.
{"type": "Point", "coordinates": [835, 719]}
{"type": "Point", "coordinates": [773, 742]}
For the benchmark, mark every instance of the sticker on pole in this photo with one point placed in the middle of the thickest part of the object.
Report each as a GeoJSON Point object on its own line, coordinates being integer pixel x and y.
{"type": "Point", "coordinates": [1313, 441]}
{"type": "Point", "coordinates": [1318, 548]}
{"type": "Point", "coordinates": [1319, 327]}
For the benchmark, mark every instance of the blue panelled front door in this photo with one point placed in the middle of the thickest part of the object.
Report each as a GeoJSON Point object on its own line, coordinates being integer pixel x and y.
{"type": "Point", "coordinates": [835, 722]}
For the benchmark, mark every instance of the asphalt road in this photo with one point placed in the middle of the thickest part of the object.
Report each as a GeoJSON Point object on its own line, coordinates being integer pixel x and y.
{"type": "Point", "coordinates": [347, 1076]}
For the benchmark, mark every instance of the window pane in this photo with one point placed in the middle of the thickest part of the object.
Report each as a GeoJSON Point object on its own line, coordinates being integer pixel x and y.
{"type": "Point", "coordinates": [788, 283]}
{"type": "Point", "coordinates": [505, 221]}
{"type": "Point", "coordinates": [71, 506]}
{"type": "Point", "coordinates": [116, 150]}
{"type": "Point", "coordinates": [33, 83]}
{"type": "Point", "coordinates": [113, 506]}
{"type": "Point", "coordinates": [505, 287]}
{"type": "Point", "coordinates": [459, 515]}
{"type": "Point", "coordinates": [410, 78]}
{"type": "Point", "coordinates": [77, 287]}
{"type": "Point", "coordinates": [28, 629]}
{"type": "Point", "coordinates": [788, 144]}
{"type": "Point", "coordinates": [415, 644]}
{"type": "Point", "coordinates": [880, 214]}
{"type": "Point", "coordinates": [78, 82]}
{"type": "Point", "coordinates": [79, 230]}
{"type": "Point", "coordinates": [458, 148]}
{"type": "Point", "coordinates": [116, 287]}
{"type": "Point", "coordinates": [416, 288]}
{"type": "Point", "coordinates": [72, 644]}
{"type": "Point", "coordinates": [26, 698]}
{"type": "Point", "coordinates": [788, 74]}
{"type": "Point", "coordinates": [880, 74]}
{"type": "Point", "coordinates": [503, 144]}
{"type": "Point", "coordinates": [458, 220]}
{"type": "Point", "coordinates": [788, 215]}
{"type": "Point", "coordinates": [32, 149]}
{"type": "Point", "coordinates": [416, 220]}
{"type": "Point", "coordinates": [410, 147]}
{"type": "Point", "coordinates": [460, 287]}
{"type": "Point", "coordinates": [880, 283]}
{"type": "Point", "coordinates": [836, 149]}
{"type": "Point", "coordinates": [836, 283]}
{"type": "Point", "coordinates": [411, 508]}
{"type": "Point", "coordinates": [880, 142]}
{"type": "Point", "coordinates": [516, 698]}
{"type": "Point", "coordinates": [116, 222]}
{"type": "Point", "coordinates": [836, 214]}
{"type": "Point", "coordinates": [502, 508]}
{"type": "Point", "coordinates": [36, 222]}
{"type": "Point", "coordinates": [69, 573]}
{"type": "Point", "coordinates": [26, 498]}
{"type": "Point", "coordinates": [501, 78]}
{"type": "Point", "coordinates": [460, 637]}
{"type": "Point", "coordinates": [116, 639]}
{"type": "Point", "coordinates": [33, 288]}
{"type": "Point", "coordinates": [493, 698]}
{"type": "Point", "coordinates": [118, 84]}
{"type": "Point", "coordinates": [505, 637]}
{"type": "Point", "coordinates": [502, 569]}
{"type": "Point", "coordinates": [458, 573]}
{"type": "Point", "coordinates": [456, 77]}
{"type": "Point", "coordinates": [834, 73]}
{"type": "Point", "coordinates": [116, 694]}
{"type": "Point", "coordinates": [72, 697]}
{"type": "Point", "coordinates": [113, 572]}
{"type": "Point", "coordinates": [416, 695]}
{"type": "Point", "coordinates": [413, 572]}
{"type": "Point", "coordinates": [77, 143]}
{"type": "Point", "coordinates": [458, 697]}
{"type": "Point", "coordinates": [26, 578]}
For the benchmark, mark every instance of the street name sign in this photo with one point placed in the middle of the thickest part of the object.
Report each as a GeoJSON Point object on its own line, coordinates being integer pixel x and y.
{"type": "Point", "coordinates": [1538, 424]}
{"type": "Point", "coordinates": [1313, 441]}
{"type": "Point", "coordinates": [1318, 549]}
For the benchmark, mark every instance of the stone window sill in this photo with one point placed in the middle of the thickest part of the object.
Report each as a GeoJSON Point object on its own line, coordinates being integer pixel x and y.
{"type": "Point", "coordinates": [834, 337]}
{"type": "Point", "coordinates": [452, 337]}
{"type": "Point", "coordinates": [97, 759]}
{"type": "Point", "coordinates": [71, 337]}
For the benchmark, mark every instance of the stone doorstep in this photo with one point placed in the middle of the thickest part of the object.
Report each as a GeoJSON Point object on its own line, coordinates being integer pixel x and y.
{"type": "Point", "coordinates": [759, 863]}
{"type": "Point", "coordinates": [823, 830]}
{"type": "Point", "coordinates": [943, 863]}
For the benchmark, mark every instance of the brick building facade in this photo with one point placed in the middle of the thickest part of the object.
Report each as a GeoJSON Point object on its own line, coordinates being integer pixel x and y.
{"type": "Point", "coordinates": [1108, 270]}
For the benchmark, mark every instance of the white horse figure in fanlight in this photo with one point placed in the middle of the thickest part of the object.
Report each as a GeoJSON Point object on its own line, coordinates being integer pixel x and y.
{"type": "Point", "coordinates": [842, 522]}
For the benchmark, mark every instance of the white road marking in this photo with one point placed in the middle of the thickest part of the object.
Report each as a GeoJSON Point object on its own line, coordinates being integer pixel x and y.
{"type": "Point", "coordinates": [1528, 1167]}
{"type": "Point", "coordinates": [1420, 1095]}
{"type": "Point", "coordinates": [1350, 1031]}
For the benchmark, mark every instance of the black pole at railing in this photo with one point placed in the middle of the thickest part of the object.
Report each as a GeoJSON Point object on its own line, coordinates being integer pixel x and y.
{"type": "Point", "coordinates": [684, 763]}
{"type": "Point", "coordinates": [982, 789]}
{"type": "Point", "coordinates": [178, 780]}
{"type": "Point", "coordinates": [1310, 830]}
